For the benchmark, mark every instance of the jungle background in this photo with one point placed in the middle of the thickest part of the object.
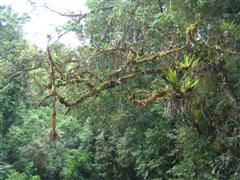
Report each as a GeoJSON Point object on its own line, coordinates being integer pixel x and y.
{"type": "Point", "coordinates": [152, 92]}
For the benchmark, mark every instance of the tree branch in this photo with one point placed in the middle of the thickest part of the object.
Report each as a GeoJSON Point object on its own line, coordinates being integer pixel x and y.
{"type": "Point", "coordinates": [79, 15]}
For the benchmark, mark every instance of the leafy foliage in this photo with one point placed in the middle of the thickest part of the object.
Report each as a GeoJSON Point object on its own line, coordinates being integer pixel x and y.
{"type": "Point", "coordinates": [153, 94]}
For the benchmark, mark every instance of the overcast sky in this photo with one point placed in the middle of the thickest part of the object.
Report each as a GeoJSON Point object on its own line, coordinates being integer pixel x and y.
{"type": "Point", "coordinates": [43, 21]}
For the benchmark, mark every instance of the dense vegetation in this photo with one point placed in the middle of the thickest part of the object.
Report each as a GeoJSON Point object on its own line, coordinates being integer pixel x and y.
{"type": "Point", "coordinates": [153, 93]}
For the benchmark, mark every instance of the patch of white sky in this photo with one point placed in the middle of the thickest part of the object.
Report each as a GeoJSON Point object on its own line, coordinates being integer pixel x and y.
{"type": "Point", "coordinates": [44, 22]}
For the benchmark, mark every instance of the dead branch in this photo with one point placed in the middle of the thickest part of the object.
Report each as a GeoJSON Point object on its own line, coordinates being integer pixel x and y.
{"type": "Point", "coordinates": [80, 16]}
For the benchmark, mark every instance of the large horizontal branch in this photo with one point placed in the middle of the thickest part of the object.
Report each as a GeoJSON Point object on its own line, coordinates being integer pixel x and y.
{"type": "Point", "coordinates": [112, 82]}
{"type": "Point", "coordinates": [102, 86]}
{"type": "Point", "coordinates": [128, 71]}
{"type": "Point", "coordinates": [76, 78]}
{"type": "Point", "coordinates": [107, 85]}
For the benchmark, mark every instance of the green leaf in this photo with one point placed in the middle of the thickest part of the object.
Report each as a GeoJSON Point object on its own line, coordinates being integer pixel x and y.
{"type": "Point", "coordinates": [172, 77]}
{"type": "Point", "coordinates": [188, 84]}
